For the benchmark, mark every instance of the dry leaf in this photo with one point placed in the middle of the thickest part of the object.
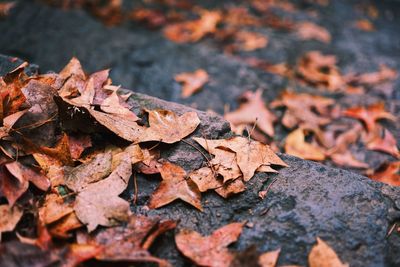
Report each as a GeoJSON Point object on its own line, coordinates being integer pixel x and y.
{"type": "Point", "coordinates": [247, 41]}
{"type": "Point", "coordinates": [322, 255]}
{"type": "Point", "coordinates": [112, 105]}
{"type": "Point", "coordinates": [175, 185]}
{"type": "Point", "coordinates": [296, 145]}
{"type": "Point", "coordinates": [193, 31]}
{"type": "Point", "coordinates": [5, 8]}
{"type": "Point", "coordinates": [250, 155]}
{"type": "Point", "coordinates": [205, 179]}
{"type": "Point", "coordinates": [253, 111]}
{"type": "Point", "coordinates": [269, 259]}
{"type": "Point", "coordinates": [99, 202]}
{"type": "Point", "coordinates": [210, 250]}
{"type": "Point", "coordinates": [77, 144]}
{"type": "Point", "coordinates": [387, 173]}
{"type": "Point", "coordinates": [9, 217]}
{"type": "Point", "coordinates": [387, 144]}
{"type": "Point", "coordinates": [131, 241]}
{"type": "Point", "coordinates": [231, 188]}
{"type": "Point", "coordinates": [365, 25]}
{"type": "Point", "coordinates": [192, 81]}
{"type": "Point", "coordinates": [369, 115]}
{"type": "Point", "coordinates": [311, 31]}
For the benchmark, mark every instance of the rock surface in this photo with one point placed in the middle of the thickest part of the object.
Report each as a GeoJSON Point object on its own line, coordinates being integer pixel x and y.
{"type": "Point", "coordinates": [350, 212]}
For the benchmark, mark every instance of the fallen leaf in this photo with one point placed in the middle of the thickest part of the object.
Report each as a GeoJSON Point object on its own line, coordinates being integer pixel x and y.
{"type": "Point", "coordinates": [311, 31]}
{"type": "Point", "coordinates": [54, 208]}
{"type": "Point", "coordinates": [247, 41]}
{"type": "Point", "coordinates": [384, 74]}
{"type": "Point", "coordinates": [387, 144]}
{"type": "Point", "coordinates": [304, 108]}
{"type": "Point", "coordinates": [250, 155]}
{"type": "Point", "coordinates": [11, 187]}
{"type": "Point", "coordinates": [365, 25]}
{"type": "Point", "coordinates": [175, 185]}
{"type": "Point", "coordinates": [99, 202]}
{"type": "Point", "coordinates": [9, 217]}
{"type": "Point", "coordinates": [346, 158]}
{"type": "Point", "coordinates": [112, 105]}
{"type": "Point", "coordinates": [210, 250]}
{"type": "Point", "coordinates": [387, 173]}
{"type": "Point", "coordinates": [205, 179]}
{"type": "Point", "coordinates": [192, 81]}
{"type": "Point", "coordinates": [193, 31]}
{"type": "Point", "coordinates": [253, 111]}
{"type": "Point", "coordinates": [322, 255]}
{"type": "Point", "coordinates": [24, 173]}
{"type": "Point", "coordinates": [5, 8]}
{"type": "Point", "coordinates": [231, 187]}
{"type": "Point", "coordinates": [77, 144]}
{"type": "Point", "coordinates": [369, 115]}
{"type": "Point", "coordinates": [296, 145]}
{"type": "Point", "coordinates": [269, 259]}
{"type": "Point", "coordinates": [131, 241]}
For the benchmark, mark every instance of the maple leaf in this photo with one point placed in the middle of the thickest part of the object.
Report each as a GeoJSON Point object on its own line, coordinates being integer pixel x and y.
{"type": "Point", "coordinates": [311, 109]}
{"type": "Point", "coordinates": [387, 173]}
{"type": "Point", "coordinates": [387, 144]}
{"type": "Point", "coordinates": [231, 188]}
{"type": "Point", "coordinates": [250, 155]}
{"type": "Point", "coordinates": [253, 111]}
{"type": "Point", "coordinates": [322, 255]}
{"type": "Point", "coordinates": [205, 179]}
{"type": "Point", "coordinates": [296, 145]}
{"type": "Point", "coordinates": [149, 164]}
{"type": "Point", "coordinates": [311, 31]}
{"type": "Point", "coordinates": [175, 185]}
{"type": "Point", "coordinates": [192, 81]}
{"type": "Point", "coordinates": [210, 250]}
{"type": "Point", "coordinates": [369, 115]}
{"type": "Point", "coordinates": [193, 31]}
{"type": "Point", "coordinates": [9, 217]}
{"type": "Point", "coordinates": [131, 241]}
{"type": "Point", "coordinates": [269, 259]}
{"type": "Point", "coordinates": [98, 202]}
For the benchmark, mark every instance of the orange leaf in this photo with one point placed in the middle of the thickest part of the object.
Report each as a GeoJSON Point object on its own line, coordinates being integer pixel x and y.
{"type": "Point", "coordinates": [296, 145]}
{"type": "Point", "coordinates": [322, 255]}
{"type": "Point", "coordinates": [192, 81]}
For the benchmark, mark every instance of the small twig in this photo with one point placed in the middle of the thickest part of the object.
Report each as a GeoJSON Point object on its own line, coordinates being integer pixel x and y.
{"type": "Point", "coordinates": [36, 124]}
{"type": "Point", "coordinates": [269, 187]}
{"type": "Point", "coordinates": [156, 145]}
{"type": "Point", "coordinates": [252, 129]}
{"type": "Point", "coordinates": [135, 196]}
{"type": "Point", "coordinates": [391, 230]}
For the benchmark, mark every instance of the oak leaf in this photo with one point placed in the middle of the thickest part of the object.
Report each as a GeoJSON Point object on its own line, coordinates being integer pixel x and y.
{"type": "Point", "coordinates": [253, 111]}
{"type": "Point", "coordinates": [192, 81]}
{"type": "Point", "coordinates": [210, 250]}
{"type": "Point", "coordinates": [322, 255]}
{"type": "Point", "coordinates": [175, 185]}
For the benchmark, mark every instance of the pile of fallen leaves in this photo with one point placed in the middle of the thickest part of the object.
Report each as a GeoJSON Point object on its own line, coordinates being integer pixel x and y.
{"type": "Point", "coordinates": [70, 146]}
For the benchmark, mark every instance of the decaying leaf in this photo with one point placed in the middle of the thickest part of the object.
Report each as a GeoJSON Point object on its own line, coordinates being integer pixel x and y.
{"type": "Point", "coordinates": [252, 111]}
{"type": "Point", "coordinates": [311, 31]}
{"type": "Point", "coordinates": [9, 217]}
{"type": "Point", "coordinates": [369, 115]}
{"type": "Point", "coordinates": [296, 145]}
{"type": "Point", "coordinates": [386, 143]}
{"type": "Point", "coordinates": [131, 241]}
{"type": "Point", "coordinates": [250, 155]}
{"type": "Point", "coordinates": [175, 185]}
{"type": "Point", "coordinates": [192, 81]}
{"type": "Point", "coordinates": [322, 255]}
{"type": "Point", "coordinates": [205, 179]}
{"type": "Point", "coordinates": [269, 259]}
{"type": "Point", "coordinates": [210, 250]}
{"type": "Point", "coordinates": [231, 188]}
{"type": "Point", "coordinates": [99, 203]}
{"type": "Point", "coordinates": [247, 41]}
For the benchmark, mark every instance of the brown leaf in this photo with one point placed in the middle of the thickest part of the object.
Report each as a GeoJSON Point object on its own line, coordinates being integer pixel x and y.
{"type": "Point", "coordinates": [11, 187]}
{"type": "Point", "coordinates": [205, 179]}
{"type": "Point", "coordinates": [369, 115]}
{"type": "Point", "coordinates": [253, 111]}
{"type": "Point", "coordinates": [60, 152]}
{"type": "Point", "coordinates": [250, 155]}
{"type": "Point", "coordinates": [54, 208]}
{"type": "Point", "coordinates": [210, 250]}
{"type": "Point", "coordinates": [131, 241]}
{"type": "Point", "coordinates": [51, 167]}
{"type": "Point", "coordinates": [5, 8]}
{"type": "Point", "coordinates": [322, 255]}
{"type": "Point", "coordinates": [247, 41]}
{"type": "Point", "coordinates": [346, 158]}
{"type": "Point", "coordinates": [296, 145]}
{"type": "Point", "coordinates": [311, 109]}
{"type": "Point", "coordinates": [387, 144]}
{"type": "Point", "coordinates": [269, 259]}
{"type": "Point", "coordinates": [311, 31]}
{"type": "Point", "coordinates": [24, 173]}
{"type": "Point", "coordinates": [387, 173]}
{"type": "Point", "coordinates": [9, 217]}
{"type": "Point", "coordinates": [150, 163]}
{"type": "Point", "coordinates": [112, 105]}
{"type": "Point", "coordinates": [192, 81]}
{"type": "Point", "coordinates": [99, 203]}
{"type": "Point", "coordinates": [77, 144]}
{"type": "Point", "coordinates": [365, 25]}
{"type": "Point", "coordinates": [175, 185]}
{"type": "Point", "coordinates": [375, 78]}
{"type": "Point", "coordinates": [231, 188]}
{"type": "Point", "coordinates": [193, 31]}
